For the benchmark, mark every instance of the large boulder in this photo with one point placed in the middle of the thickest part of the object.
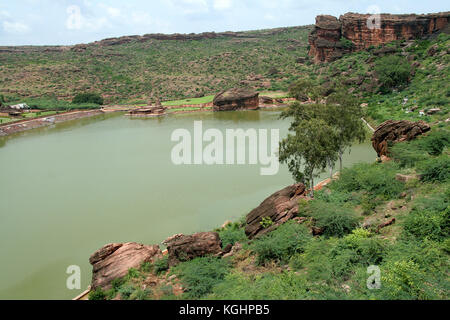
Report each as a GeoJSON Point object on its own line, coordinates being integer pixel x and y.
{"type": "Point", "coordinates": [115, 259]}
{"type": "Point", "coordinates": [279, 208]}
{"type": "Point", "coordinates": [183, 248]}
{"type": "Point", "coordinates": [236, 99]}
{"type": "Point", "coordinates": [396, 131]}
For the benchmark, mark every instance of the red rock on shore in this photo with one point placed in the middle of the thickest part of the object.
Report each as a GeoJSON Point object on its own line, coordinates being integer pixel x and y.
{"type": "Point", "coordinates": [236, 99]}
{"type": "Point", "coordinates": [279, 207]}
{"type": "Point", "coordinates": [114, 260]}
{"type": "Point", "coordinates": [396, 131]}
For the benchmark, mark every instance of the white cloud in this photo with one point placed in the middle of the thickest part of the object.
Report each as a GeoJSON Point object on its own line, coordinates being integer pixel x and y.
{"type": "Point", "coordinates": [222, 4]}
{"type": "Point", "coordinates": [141, 18]}
{"type": "Point", "coordinates": [76, 20]}
{"type": "Point", "coordinates": [15, 27]}
{"type": "Point", "coordinates": [113, 12]}
{"type": "Point", "coordinates": [189, 6]}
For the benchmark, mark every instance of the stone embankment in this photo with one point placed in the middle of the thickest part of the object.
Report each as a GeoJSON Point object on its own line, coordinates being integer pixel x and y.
{"type": "Point", "coordinates": [23, 125]}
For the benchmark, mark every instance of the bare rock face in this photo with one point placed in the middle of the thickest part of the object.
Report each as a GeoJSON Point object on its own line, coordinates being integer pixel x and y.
{"type": "Point", "coordinates": [114, 260]}
{"type": "Point", "coordinates": [396, 131]}
{"type": "Point", "coordinates": [279, 207]}
{"type": "Point", "coordinates": [236, 99]}
{"type": "Point", "coordinates": [184, 248]}
{"type": "Point", "coordinates": [325, 39]}
{"type": "Point", "coordinates": [266, 100]}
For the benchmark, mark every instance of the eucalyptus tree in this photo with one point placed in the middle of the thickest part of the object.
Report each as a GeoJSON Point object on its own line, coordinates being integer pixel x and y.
{"type": "Point", "coordinates": [308, 149]}
{"type": "Point", "coordinates": [344, 112]}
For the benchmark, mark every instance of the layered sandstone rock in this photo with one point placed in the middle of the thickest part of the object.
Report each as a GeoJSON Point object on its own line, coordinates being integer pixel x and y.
{"type": "Point", "coordinates": [361, 32]}
{"type": "Point", "coordinates": [279, 208]}
{"type": "Point", "coordinates": [396, 131]}
{"type": "Point", "coordinates": [236, 99]}
{"type": "Point", "coordinates": [184, 248]}
{"type": "Point", "coordinates": [114, 260]}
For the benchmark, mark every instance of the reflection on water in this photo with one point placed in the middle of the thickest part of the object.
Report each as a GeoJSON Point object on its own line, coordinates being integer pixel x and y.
{"type": "Point", "coordinates": [74, 187]}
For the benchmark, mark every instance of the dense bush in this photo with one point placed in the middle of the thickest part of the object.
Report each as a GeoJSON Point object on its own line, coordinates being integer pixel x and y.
{"type": "Point", "coordinates": [281, 244]}
{"type": "Point", "coordinates": [161, 265]}
{"type": "Point", "coordinates": [356, 249]}
{"type": "Point", "coordinates": [392, 71]}
{"type": "Point", "coordinates": [404, 280]}
{"type": "Point", "coordinates": [266, 286]}
{"type": "Point", "coordinates": [334, 220]}
{"type": "Point", "coordinates": [376, 180]}
{"type": "Point", "coordinates": [231, 234]}
{"type": "Point", "coordinates": [409, 154]}
{"type": "Point", "coordinates": [429, 218]}
{"type": "Point", "coordinates": [200, 275]}
{"type": "Point", "coordinates": [436, 169]}
{"type": "Point", "coordinates": [97, 294]}
{"type": "Point", "coordinates": [88, 98]}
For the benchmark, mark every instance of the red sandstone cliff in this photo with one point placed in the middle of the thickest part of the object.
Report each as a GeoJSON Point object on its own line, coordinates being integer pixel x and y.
{"type": "Point", "coordinates": [325, 39]}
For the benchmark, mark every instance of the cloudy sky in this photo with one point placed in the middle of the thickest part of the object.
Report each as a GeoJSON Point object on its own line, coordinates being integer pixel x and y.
{"type": "Point", "coordinates": [65, 22]}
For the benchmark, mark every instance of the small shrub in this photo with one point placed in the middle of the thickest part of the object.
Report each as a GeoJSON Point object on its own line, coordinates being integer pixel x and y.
{"type": "Point", "coordinates": [126, 291]}
{"type": "Point", "coordinates": [282, 243]}
{"type": "Point", "coordinates": [403, 280]}
{"type": "Point", "coordinates": [231, 234]}
{"type": "Point", "coordinates": [346, 44]}
{"type": "Point", "coordinates": [429, 221]}
{"type": "Point", "coordinates": [436, 170]}
{"type": "Point", "coordinates": [266, 286]}
{"type": "Point", "coordinates": [133, 274]}
{"type": "Point", "coordinates": [161, 265]}
{"type": "Point", "coordinates": [375, 180]}
{"type": "Point", "coordinates": [200, 275]}
{"type": "Point", "coordinates": [266, 222]}
{"type": "Point", "coordinates": [335, 220]}
{"type": "Point", "coordinates": [98, 294]}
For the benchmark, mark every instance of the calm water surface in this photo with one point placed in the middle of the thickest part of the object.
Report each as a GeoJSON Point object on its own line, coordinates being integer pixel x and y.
{"type": "Point", "coordinates": [66, 191]}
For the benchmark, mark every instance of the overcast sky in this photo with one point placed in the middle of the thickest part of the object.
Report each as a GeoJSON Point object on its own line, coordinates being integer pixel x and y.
{"type": "Point", "coordinates": [66, 22]}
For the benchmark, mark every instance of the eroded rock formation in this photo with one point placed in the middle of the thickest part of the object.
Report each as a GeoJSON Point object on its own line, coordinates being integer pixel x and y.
{"type": "Point", "coordinates": [396, 131]}
{"type": "Point", "coordinates": [333, 37]}
{"type": "Point", "coordinates": [279, 208]}
{"type": "Point", "coordinates": [114, 260]}
{"type": "Point", "coordinates": [236, 99]}
{"type": "Point", "coordinates": [184, 248]}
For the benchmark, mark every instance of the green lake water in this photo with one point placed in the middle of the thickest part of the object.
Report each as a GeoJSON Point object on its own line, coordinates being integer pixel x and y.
{"type": "Point", "coordinates": [67, 190]}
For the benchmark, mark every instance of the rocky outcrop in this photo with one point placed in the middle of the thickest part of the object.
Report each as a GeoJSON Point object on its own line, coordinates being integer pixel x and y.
{"type": "Point", "coordinates": [333, 37]}
{"type": "Point", "coordinates": [236, 99]}
{"type": "Point", "coordinates": [396, 131]}
{"type": "Point", "coordinates": [279, 208]}
{"type": "Point", "coordinates": [184, 248]}
{"type": "Point", "coordinates": [324, 40]}
{"type": "Point", "coordinates": [114, 260]}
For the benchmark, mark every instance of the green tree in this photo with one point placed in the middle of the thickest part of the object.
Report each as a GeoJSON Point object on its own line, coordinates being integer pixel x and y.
{"type": "Point", "coordinates": [392, 71]}
{"type": "Point", "coordinates": [88, 98]}
{"type": "Point", "coordinates": [305, 89]}
{"type": "Point", "coordinates": [344, 112]}
{"type": "Point", "coordinates": [309, 150]}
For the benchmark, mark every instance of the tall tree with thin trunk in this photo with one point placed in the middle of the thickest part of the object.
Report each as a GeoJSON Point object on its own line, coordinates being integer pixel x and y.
{"type": "Point", "coordinates": [345, 114]}
{"type": "Point", "coordinates": [308, 151]}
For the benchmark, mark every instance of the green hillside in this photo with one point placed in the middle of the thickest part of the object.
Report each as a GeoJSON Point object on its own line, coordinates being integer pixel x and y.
{"type": "Point", "coordinates": [136, 71]}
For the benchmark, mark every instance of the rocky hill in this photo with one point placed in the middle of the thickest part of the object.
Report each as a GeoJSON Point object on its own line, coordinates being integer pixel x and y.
{"type": "Point", "coordinates": [333, 37]}
{"type": "Point", "coordinates": [135, 69]}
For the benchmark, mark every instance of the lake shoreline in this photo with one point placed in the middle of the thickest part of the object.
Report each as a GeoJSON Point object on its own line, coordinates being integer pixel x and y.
{"type": "Point", "coordinates": [45, 121]}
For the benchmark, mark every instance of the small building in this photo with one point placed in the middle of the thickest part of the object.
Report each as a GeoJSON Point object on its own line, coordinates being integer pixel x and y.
{"type": "Point", "coordinates": [20, 107]}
